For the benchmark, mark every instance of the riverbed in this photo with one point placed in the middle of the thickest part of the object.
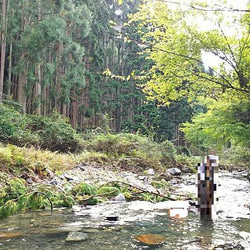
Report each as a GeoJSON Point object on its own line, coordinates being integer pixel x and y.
{"type": "Point", "coordinates": [115, 225]}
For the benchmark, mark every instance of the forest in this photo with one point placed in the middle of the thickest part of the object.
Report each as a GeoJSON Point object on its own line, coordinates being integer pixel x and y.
{"type": "Point", "coordinates": [108, 109]}
{"type": "Point", "coordinates": [142, 66]}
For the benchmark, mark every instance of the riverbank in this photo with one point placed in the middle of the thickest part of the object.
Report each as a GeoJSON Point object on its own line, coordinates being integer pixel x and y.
{"type": "Point", "coordinates": [36, 179]}
{"type": "Point", "coordinates": [119, 224]}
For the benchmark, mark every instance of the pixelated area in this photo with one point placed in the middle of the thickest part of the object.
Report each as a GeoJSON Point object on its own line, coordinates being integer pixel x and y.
{"type": "Point", "coordinates": [206, 185]}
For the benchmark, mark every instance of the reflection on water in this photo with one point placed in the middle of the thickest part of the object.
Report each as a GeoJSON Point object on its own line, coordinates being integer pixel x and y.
{"type": "Point", "coordinates": [45, 230]}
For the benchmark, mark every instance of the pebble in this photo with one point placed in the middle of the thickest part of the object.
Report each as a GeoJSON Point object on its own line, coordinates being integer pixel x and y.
{"type": "Point", "coordinates": [120, 197]}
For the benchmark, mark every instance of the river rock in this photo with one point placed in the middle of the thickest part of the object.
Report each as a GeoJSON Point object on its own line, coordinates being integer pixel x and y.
{"type": "Point", "coordinates": [8, 235]}
{"type": "Point", "coordinates": [248, 176]}
{"type": "Point", "coordinates": [187, 170]}
{"type": "Point", "coordinates": [151, 239]}
{"type": "Point", "coordinates": [76, 236]}
{"type": "Point", "coordinates": [120, 197]}
{"type": "Point", "coordinates": [245, 236]}
{"type": "Point", "coordinates": [228, 246]}
{"type": "Point", "coordinates": [70, 177]}
{"type": "Point", "coordinates": [166, 176]}
{"type": "Point", "coordinates": [174, 171]}
{"type": "Point", "coordinates": [151, 171]}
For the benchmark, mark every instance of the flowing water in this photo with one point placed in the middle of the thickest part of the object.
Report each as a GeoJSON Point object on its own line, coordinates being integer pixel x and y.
{"type": "Point", "coordinates": [45, 230]}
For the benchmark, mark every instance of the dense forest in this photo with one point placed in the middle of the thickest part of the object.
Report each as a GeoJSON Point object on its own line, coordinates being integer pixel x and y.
{"type": "Point", "coordinates": [134, 66]}
{"type": "Point", "coordinates": [94, 92]}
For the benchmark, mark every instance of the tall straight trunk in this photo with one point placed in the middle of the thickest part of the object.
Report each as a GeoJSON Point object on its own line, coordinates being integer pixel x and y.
{"type": "Point", "coordinates": [59, 74]}
{"type": "Point", "coordinates": [38, 89]}
{"type": "Point", "coordinates": [74, 108]}
{"type": "Point", "coordinates": [9, 83]}
{"type": "Point", "coordinates": [10, 69]}
{"type": "Point", "coordinates": [21, 97]}
{"type": "Point", "coordinates": [22, 75]}
{"type": "Point", "coordinates": [3, 49]}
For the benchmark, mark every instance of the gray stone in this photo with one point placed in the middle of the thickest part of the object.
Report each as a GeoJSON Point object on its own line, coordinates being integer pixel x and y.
{"type": "Point", "coordinates": [76, 236]}
{"type": "Point", "coordinates": [70, 177]}
{"type": "Point", "coordinates": [151, 171]}
{"type": "Point", "coordinates": [50, 173]}
{"type": "Point", "coordinates": [174, 171]}
{"type": "Point", "coordinates": [187, 170]}
{"type": "Point", "coordinates": [248, 176]}
{"type": "Point", "coordinates": [120, 197]}
{"type": "Point", "coordinates": [29, 181]}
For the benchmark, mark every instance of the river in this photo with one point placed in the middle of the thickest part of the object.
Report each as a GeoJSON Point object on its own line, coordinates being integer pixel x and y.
{"type": "Point", "coordinates": [115, 225]}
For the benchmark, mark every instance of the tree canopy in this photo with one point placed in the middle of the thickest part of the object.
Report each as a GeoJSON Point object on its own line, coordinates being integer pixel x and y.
{"type": "Point", "coordinates": [138, 66]}
{"type": "Point", "coordinates": [177, 41]}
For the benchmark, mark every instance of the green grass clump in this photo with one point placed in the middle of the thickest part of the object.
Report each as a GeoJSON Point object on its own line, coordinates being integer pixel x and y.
{"type": "Point", "coordinates": [17, 196]}
{"type": "Point", "coordinates": [108, 191]}
{"type": "Point", "coordinates": [15, 159]}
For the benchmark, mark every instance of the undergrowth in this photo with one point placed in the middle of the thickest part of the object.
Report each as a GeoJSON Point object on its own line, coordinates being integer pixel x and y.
{"type": "Point", "coordinates": [52, 132]}
{"type": "Point", "coordinates": [133, 151]}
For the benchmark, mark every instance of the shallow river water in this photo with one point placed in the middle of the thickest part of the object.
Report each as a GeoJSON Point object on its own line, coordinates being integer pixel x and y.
{"type": "Point", "coordinates": [45, 230]}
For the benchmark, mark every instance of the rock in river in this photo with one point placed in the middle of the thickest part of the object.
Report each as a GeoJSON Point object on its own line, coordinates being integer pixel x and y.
{"type": "Point", "coordinates": [151, 239]}
{"type": "Point", "coordinates": [76, 236]}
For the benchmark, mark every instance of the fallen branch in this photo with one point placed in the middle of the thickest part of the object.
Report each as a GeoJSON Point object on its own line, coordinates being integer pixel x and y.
{"type": "Point", "coordinates": [145, 191]}
{"type": "Point", "coordinates": [51, 204]}
{"type": "Point", "coordinates": [97, 195]}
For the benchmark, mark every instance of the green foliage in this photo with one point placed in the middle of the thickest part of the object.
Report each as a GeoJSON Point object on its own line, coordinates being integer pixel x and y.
{"type": "Point", "coordinates": [184, 150]}
{"type": "Point", "coordinates": [235, 156]}
{"type": "Point", "coordinates": [134, 149]}
{"type": "Point", "coordinates": [53, 133]}
{"type": "Point", "coordinates": [108, 191]}
{"type": "Point", "coordinates": [16, 196]}
{"type": "Point", "coordinates": [15, 160]}
{"type": "Point", "coordinates": [177, 57]}
{"type": "Point", "coordinates": [115, 144]}
{"type": "Point", "coordinates": [220, 125]}
{"type": "Point", "coordinates": [84, 189]}
{"type": "Point", "coordinates": [12, 125]}
{"type": "Point", "coordinates": [92, 156]}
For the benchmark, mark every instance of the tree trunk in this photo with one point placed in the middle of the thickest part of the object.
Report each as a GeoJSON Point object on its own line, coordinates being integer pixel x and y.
{"type": "Point", "coordinates": [74, 114]}
{"type": "Point", "coordinates": [10, 70]}
{"type": "Point", "coordinates": [38, 89]}
{"type": "Point", "coordinates": [3, 49]}
{"type": "Point", "coordinates": [21, 97]}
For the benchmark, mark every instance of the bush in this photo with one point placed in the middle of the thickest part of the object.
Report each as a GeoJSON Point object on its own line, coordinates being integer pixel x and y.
{"type": "Point", "coordinates": [236, 155]}
{"type": "Point", "coordinates": [53, 133]}
{"type": "Point", "coordinates": [12, 124]}
{"type": "Point", "coordinates": [129, 148]}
